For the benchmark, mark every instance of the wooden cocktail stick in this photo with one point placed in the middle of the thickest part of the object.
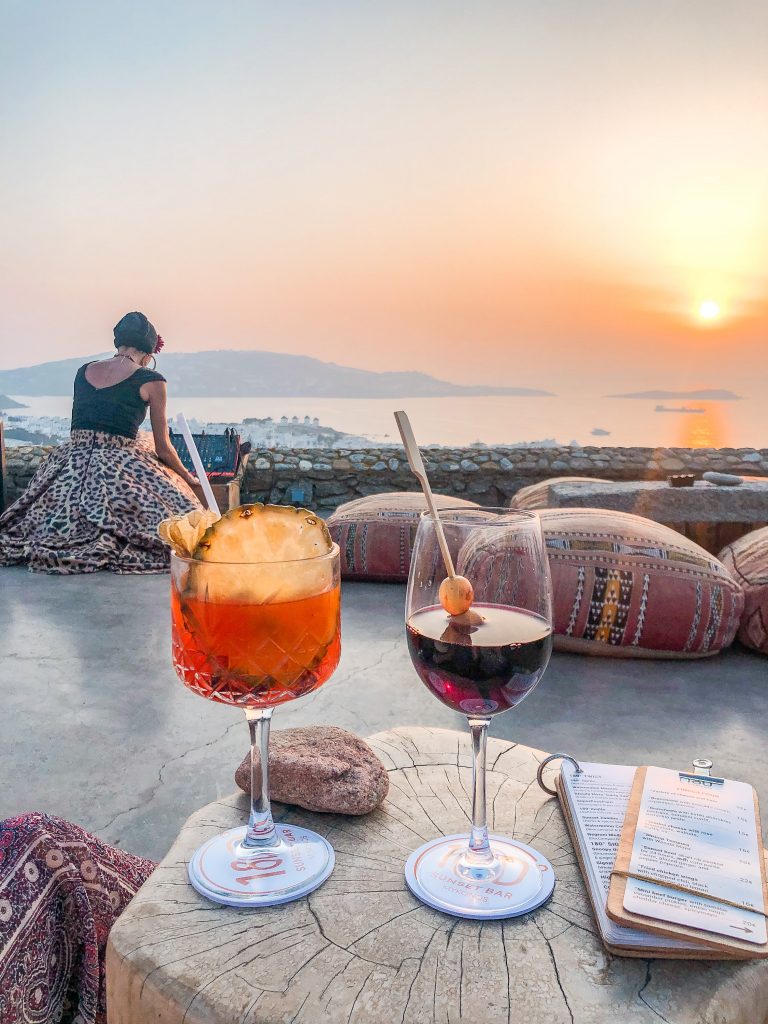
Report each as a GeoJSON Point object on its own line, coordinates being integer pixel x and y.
{"type": "Point", "coordinates": [456, 592]}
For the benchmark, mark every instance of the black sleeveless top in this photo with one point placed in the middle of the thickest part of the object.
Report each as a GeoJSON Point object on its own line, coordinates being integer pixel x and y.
{"type": "Point", "coordinates": [117, 409]}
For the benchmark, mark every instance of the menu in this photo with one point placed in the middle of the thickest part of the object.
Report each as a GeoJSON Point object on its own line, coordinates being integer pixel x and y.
{"type": "Point", "coordinates": [700, 834]}
{"type": "Point", "coordinates": [597, 799]}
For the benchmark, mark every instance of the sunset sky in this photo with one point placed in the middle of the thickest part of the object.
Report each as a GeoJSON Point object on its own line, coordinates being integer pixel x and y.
{"type": "Point", "coordinates": [540, 192]}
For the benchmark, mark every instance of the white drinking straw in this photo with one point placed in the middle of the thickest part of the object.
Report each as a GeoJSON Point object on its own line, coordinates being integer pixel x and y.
{"type": "Point", "coordinates": [197, 462]}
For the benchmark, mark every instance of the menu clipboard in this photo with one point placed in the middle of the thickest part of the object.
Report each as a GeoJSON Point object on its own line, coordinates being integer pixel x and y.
{"type": "Point", "coordinates": [594, 798]}
{"type": "Point", "coordinates": [618, 944]}
{"type": "Point", "coordinates": [729, 945]}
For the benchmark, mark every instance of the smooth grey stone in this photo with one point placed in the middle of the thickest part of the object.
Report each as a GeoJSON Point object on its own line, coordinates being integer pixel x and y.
{"type": "Point", "coordinates": [722, 479]}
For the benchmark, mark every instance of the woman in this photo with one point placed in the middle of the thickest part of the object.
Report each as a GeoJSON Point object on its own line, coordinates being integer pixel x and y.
{"type": "Point", "coordinates": [97, 500]}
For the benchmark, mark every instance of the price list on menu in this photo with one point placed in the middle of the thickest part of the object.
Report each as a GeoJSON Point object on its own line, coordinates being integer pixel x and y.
{"type": "Point", "coordinates": [698, 839]}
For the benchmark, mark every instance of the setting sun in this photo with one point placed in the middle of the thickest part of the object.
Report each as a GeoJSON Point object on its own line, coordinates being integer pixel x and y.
{"type": "Point", "coordinates": [709, 310]}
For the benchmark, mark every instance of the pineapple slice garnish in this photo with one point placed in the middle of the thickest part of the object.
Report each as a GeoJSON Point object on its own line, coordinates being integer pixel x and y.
{"type": "Point", "coordinates": [253, 554]}
{"type": "Point", "coordinates": [183, 533]}
{"type": "Point", "coordinates": [264, 533]}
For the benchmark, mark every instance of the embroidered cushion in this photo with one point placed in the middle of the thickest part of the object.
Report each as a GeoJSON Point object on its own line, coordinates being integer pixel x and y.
{"type": "Point", "coordinates": [376, 534]}
{"type": "Point", "coordinates": [536, 496]}
{"type": "Point", "coordinates": [627, 586]}
{"type": "Point", "coordinates": [747, 560]}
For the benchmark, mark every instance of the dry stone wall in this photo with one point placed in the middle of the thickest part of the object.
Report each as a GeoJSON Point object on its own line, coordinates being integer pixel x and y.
{"type": "Point", "coordinates": [21, 464]}
{"type": "Point", "coordinates": [324, 478]}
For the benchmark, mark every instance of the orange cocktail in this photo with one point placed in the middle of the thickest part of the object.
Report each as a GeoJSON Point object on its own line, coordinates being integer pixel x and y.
{"type": "Point", "coordinates": [255, 622]}
{"type": "Point", "coordinates": [255, 655]}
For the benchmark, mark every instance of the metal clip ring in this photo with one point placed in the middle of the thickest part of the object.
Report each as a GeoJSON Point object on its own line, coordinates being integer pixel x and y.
{"type": "Point", "coordinates": [545, 762]}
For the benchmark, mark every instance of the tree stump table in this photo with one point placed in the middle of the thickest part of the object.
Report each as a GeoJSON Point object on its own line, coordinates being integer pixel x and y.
{"type": "Point", "coordinates": [361, 949]}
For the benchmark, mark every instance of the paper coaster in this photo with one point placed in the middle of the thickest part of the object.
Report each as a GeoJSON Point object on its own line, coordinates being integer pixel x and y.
{"type": "Point", "coordinates": [527, 879]}
{"type": "Point", "coordinates": [221, 871]}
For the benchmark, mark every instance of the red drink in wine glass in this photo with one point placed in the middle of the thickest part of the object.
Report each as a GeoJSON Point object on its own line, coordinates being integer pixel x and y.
{"type": "Point", "coordinates": [480, 663]}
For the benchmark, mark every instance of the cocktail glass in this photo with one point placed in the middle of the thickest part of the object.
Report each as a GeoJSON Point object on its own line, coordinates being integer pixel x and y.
{"type": "Point", "coordinates": [255, 635]}
{"type": "Point", "coordinates": [480, 664]}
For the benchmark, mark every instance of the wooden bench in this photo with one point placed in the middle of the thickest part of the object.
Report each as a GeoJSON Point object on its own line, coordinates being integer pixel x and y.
{"type": "Point", "coordinates": [363, 950]}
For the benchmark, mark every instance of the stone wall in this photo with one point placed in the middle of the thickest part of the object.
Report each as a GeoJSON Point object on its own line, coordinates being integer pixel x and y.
{"type": "Point", "coordinates": [323, 478]}
{"type": "Point", "coordinates": [21, 464]}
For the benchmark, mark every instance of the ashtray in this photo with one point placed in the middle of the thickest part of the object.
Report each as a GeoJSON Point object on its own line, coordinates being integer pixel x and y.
{"type": "Point", "coordinates": [682, 480]}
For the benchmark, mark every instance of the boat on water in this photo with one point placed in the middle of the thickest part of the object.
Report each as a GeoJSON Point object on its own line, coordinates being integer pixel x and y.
{"type": "Point", "coordinates": [681, 408]}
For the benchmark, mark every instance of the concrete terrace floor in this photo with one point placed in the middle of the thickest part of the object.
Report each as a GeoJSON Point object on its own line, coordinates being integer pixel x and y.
{"type": "Point", "coordinates": [96, 727]}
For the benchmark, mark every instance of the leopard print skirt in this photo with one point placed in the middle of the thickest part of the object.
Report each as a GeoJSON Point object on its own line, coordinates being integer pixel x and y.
{"type": "Point", "coordinates": [95, 503]}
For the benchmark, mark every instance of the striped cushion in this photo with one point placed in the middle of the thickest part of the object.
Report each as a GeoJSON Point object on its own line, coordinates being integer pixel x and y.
{"type": "Point", "coordinates": [376, 533]}
{"type": "Point", "coordinates": [747, 559]}
{"type": "Point", "coordinates": [627, 586]}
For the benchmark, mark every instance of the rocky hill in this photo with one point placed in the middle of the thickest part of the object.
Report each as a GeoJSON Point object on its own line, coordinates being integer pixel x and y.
{"type": "Point", "coordinates": [8, 403]}
{"type": "Point", "coordinates": [245, 373]}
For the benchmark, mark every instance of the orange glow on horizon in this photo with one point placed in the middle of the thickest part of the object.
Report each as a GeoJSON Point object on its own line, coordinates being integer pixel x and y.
{"type": "Point", "coordinates": [703, 430]}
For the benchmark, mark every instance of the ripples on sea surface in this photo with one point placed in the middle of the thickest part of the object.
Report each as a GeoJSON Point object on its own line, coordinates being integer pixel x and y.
{"type": "Point", "coordinates": [494, 420]}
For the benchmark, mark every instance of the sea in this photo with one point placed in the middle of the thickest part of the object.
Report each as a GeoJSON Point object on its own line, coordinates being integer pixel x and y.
{"type": "Point", "coordinates": [493, 420]}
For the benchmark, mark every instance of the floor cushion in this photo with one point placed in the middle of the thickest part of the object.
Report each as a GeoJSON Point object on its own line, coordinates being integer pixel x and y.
{"type": "Point", "coordinates": [626, 586]}
{"type": "Point", "coordinates": [747, 560]}
{"type": "Point", "coordinates": [376, 534]}
{"type": "Point", "coordinates": [536, 496]}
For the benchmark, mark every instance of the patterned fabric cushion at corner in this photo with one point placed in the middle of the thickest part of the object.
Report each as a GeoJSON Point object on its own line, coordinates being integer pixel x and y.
{"type": "Point", "coordinates": [626, 586]}
{"type": "Point", "coordinates": [536, 496]}
{"type": "Point", "coordinates": [61, 890]}
{"type": "Point", "coordinates": [747, 559]}
{"type": "Point", "coordinates": [376, 533]}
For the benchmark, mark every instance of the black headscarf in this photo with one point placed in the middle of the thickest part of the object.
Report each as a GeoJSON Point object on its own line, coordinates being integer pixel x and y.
{"type": "Point", "coordinates": [135, 331]}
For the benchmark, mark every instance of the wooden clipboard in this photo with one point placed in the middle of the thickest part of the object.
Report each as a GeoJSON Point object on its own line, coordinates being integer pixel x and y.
{"type": "Point", "coordinates": [723, 945]}
{"type": "Point", "coordinates": [641, 952]}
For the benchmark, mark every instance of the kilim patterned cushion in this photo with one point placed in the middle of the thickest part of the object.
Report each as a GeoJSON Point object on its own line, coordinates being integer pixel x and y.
{"type": "Point", "coordinates": [626, 586]}
{"type": "Point", "coordinates": [536, 496]}
{"type": "Point", "coordinates": [747, 559]}
{"type": "Point", "coordinates": [376, 533]}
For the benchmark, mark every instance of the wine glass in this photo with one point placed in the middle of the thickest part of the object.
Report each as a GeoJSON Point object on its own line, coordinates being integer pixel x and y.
{"type": "Point", "coordinates": [256, 635]}
{"type": "Point", "coordinates": [480, 663]}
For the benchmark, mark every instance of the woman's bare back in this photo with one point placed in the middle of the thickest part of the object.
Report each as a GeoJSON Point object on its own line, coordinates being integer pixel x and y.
{"type": "Point", "coordinates": [104, 373]}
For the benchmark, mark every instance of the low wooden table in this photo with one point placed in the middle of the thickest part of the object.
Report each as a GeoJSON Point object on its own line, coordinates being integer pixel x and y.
{"type": "Point", "coordinates": [363, 950]}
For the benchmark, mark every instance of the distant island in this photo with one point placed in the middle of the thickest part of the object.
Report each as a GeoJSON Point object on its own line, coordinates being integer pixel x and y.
{"type": "Point", "coordinates": [677, 408]}
{"type": "Point", "coordinates": [703, 395]}
{"type": "Point", "coordinates": [244, 374]}
{"type": "Point", "coordinates": [9, 403]}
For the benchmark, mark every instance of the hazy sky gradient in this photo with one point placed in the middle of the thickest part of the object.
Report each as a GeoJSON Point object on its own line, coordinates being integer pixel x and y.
{"type": "Point", "coordinates": [534, 193]}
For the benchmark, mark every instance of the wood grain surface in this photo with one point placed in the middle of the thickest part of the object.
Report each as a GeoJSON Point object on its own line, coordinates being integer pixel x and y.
{"type": "Point", "coordinates": [362, 949]}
